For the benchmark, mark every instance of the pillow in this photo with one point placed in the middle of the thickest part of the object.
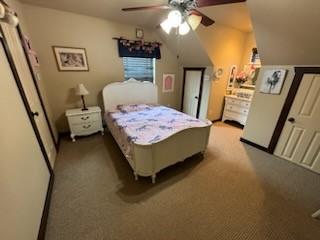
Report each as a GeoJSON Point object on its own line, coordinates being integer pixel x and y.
{"type": "Point", "coordinates": [133, 107]}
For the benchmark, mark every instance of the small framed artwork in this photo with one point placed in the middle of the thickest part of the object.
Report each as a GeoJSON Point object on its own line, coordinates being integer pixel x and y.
{"type": "Point", "coordinates": [168, 82]}
{"type": "Point", "coordinates": [272, 81]}
{"type": "Point", "coordinates": [139, 33]}
{"type": "Point", "coordinates": [232, 77]}
{"type": "Point", "coordinates": [71, 59]}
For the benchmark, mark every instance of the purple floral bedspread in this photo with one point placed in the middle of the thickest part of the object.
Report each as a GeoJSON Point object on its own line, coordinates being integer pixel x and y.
{"type": "Point", "coordinates": [149, 124]}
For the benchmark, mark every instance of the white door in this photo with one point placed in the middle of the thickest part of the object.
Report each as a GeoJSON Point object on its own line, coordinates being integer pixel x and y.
{"type": "Point", "coordinates": [24, 175]}
{"type": "Point", "coordinates": [21, 63]}
{"type": "Point", "coordinates": [300, 139]}
{"type": "Point", "coordinates": [192, 92]}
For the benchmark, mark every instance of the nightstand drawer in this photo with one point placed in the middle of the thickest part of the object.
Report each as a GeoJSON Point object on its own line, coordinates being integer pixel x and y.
{"type": "Point", "coordinates": [85, 118]}
{"type": "Point", "coordinates": [86, 127]}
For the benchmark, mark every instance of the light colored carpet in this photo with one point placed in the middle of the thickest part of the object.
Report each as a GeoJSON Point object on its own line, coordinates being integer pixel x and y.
{"type": "Point", "coordinates": [234, 192]}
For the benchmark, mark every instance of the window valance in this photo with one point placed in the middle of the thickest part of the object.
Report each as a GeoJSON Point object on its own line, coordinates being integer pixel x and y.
{"type": "Point", "coordinates": [138, 48]}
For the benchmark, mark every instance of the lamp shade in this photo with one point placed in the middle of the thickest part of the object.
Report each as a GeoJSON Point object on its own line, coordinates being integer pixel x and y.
{"type": "Point", "coordinates": [81, 90]}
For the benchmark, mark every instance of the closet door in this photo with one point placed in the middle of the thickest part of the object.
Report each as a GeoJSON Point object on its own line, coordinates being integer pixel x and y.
{"type": "Point", "coordinates": [300, 139]}
{"type": "Point", "coordinates": [193, 80]}
{"type": "Point", "coordinates": [25, 76]}
{"type": "Point", "coordinates": [24, 174]}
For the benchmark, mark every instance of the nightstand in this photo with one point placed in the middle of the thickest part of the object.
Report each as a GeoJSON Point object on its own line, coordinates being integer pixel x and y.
{"type": "Point", "coordinates": [84, 123]}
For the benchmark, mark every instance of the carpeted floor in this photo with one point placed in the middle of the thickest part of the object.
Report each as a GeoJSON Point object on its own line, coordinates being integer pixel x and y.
{"type": "Point", "coordinates": [234, 192]}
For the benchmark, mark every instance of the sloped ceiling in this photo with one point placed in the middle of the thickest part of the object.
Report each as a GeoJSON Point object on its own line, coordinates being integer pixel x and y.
{"type": "Point", "coordinates": [287, 31]}
{"type": "Point", "coordinates": [232, 15]}
{"type": "Point", "coordinates": [187, 48]}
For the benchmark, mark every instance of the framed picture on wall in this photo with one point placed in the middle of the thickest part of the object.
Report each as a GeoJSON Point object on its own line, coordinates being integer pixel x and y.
{"type": "Point", "coordinates": [168, 82]}
{"type": "Point", "coordinates": [71, 59]}
{"type": "Point", "coordinates": [232, 77]}
{"type": "Point", "coordinates": [272, 81]}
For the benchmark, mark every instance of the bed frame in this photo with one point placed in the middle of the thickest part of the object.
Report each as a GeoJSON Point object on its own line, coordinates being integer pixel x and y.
{"type": "Point", "coordinates": [148, 160]}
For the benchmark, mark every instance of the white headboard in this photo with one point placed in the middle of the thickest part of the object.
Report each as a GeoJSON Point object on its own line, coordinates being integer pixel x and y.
{"type": "Point", "coordinates": [129, 92]}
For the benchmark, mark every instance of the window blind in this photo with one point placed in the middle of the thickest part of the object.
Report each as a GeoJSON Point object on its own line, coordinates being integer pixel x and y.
{"type": "Point", "coordinates": [141, 69]}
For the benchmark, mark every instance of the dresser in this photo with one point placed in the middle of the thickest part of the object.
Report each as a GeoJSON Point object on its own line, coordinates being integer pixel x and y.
{"type": "Point", "coordinates": [236, 109]}
{"type": "Point", "coordinates": [83, 123]}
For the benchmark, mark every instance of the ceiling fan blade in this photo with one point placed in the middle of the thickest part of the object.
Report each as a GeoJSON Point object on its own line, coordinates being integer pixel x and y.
{"type": "Point", "coordinates": [154, 7]}
{"type": "Point", "coordinates": [206, 3]}
{"type": "Point", "coordinates": [206, 21]}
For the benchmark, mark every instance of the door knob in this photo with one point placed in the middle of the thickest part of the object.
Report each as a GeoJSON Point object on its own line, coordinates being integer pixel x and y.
{"type": "Point", "coordinates": [35, 114]}
{"type": "Point", "coordinates": [196, 97]}
{"type": "Point", "coordinates": [292, 120]}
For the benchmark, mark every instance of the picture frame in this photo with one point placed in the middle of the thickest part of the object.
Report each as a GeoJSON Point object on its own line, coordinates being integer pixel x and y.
{"type": "Point", "coordinates": [272, 81]}
{"type": "Point", "coordinates": [139, 33]}
{"type": "Point", "coordinates": [71, 59]}
{"type": "Point", "coordinates": [232, 77]}
{"type": "Point", "coordinates": [168, 82]}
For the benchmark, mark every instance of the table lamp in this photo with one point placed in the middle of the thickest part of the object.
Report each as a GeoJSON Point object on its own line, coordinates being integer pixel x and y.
{"type": "Point", "coordinates": [82, 91]}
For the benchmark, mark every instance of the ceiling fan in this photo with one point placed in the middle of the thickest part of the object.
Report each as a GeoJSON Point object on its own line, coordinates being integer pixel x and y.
{"type": "Point", "coordinates": [184, 14]}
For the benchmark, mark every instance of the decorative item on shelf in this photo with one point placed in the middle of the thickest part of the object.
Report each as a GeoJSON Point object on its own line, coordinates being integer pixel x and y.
{"type": "Point", "coordinates": [255, 57]}
{"type": "Point", "coordinates": [232, 77]}
{"type": "Point", "coordinates": [272, 81]}
{"type": "Point", "coordinates": [247, 78]}
{"type": "Point", "coordinates": [241, 78]}
{"type": "Point", "coordinates": [138, 48]}
{"type": "Point", "coordinates": [7, 15]}
{"type": "Point", "coordinates": [139, 33]}
{"type": "Point", "coordinates": [168, 82]}
{"type": "Point", "coordinates": [82, 91]}
{"type": "Point", "coordinates": [71, 59]}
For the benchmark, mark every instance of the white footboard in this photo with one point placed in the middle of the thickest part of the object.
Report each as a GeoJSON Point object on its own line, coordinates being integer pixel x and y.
{"type": "Point", "coordinates": [149, 160]}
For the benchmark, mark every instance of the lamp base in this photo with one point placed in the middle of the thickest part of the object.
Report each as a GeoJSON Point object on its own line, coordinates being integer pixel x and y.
{"type": "Point", "coordinates": [84, 104]}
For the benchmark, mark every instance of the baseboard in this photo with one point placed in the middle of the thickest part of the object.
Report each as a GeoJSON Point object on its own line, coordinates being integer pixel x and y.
{"type": "Point", "coordinates": [45, 213]}
{"type": "Point", "coordinates": [217, 120]}
{"type": "Point", "coordinates": [254, 145]}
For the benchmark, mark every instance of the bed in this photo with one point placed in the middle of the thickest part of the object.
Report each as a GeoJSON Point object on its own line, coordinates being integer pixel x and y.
{"type": "Point", "coordinates": [151, 137]}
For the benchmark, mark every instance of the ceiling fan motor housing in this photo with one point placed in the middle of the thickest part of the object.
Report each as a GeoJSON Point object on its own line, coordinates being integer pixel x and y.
{"type": "Point", "coordinates": [184, 6]}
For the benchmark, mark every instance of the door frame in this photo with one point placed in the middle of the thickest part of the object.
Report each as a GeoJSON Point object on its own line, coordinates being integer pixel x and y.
{"type": "Point", "coordinates": [201, 85]}
{"type": "Point", "coordinates": [34, 78]}
{"type": "Point", "coordinates": [299, 74]}
{"type": "Point", "coordinates": [15, 74]}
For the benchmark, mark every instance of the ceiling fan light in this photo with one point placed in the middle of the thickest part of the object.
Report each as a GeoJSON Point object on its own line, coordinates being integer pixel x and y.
{"type": "Point", "coordinates": [184, 28]}
{"type": "Point", "coordinates": [175, 18]}
{"type": "Point", "coordinates": [166, 26]}
{"type": "Point", "coordinates": [194, 21]}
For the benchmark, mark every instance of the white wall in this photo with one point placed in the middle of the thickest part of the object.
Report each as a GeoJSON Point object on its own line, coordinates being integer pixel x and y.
{"type": "Point", "coordinates": [287, 34]}
{"type": "Point", "coordinates": [265, 110]}
{"type": "Point", "coordinates": [287, 31]}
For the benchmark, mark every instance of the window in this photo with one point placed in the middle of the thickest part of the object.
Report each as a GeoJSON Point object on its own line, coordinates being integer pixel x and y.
{"type": "Point", "coordinates": [142, 69]}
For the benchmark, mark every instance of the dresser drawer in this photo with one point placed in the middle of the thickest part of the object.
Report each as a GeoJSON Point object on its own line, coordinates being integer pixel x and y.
{"type": "Point", "coordinates": [241, 118]}
{"type": "Point", "coordinates": [237, 109]}
{"type": "Point", "coordinates": [245, 104]}
{"type": "Point", "coordinates": [86, 128]}
{"type": "Point", "coordinates": [233, 101]}
{"type": "Point", "coordinates": [85, 118]}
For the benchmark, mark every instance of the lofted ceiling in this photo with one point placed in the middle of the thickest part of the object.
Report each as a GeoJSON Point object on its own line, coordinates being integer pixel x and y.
{"type": "Point", "coordinates": [232, 15]}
